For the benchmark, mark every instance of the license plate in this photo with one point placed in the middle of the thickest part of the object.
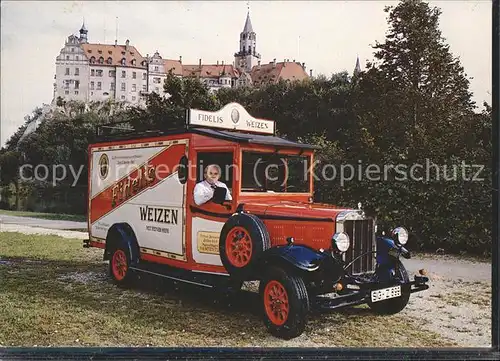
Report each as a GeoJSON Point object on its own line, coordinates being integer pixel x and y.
{"type": "Point", "coordinates": [386, 293]}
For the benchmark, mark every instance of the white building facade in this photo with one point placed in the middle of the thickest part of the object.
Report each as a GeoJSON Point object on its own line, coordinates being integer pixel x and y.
{"type": "Point", "coordinates": [98, 72]}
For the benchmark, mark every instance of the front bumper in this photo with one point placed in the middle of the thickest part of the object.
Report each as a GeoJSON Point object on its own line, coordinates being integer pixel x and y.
{"type": "Point", "coordinates": [362, 295]}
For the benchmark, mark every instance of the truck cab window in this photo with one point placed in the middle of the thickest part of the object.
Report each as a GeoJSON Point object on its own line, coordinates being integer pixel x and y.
{"type": "Point", "coordinates": [223, 159]}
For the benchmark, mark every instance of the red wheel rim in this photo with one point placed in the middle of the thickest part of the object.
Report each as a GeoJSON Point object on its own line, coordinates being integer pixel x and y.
{"type": "Point", "coordinates": [276, 303]}
{"type": "Point", "coordinates": [238, 247]}
{"type": "Point", "coordinates": [119, 264]}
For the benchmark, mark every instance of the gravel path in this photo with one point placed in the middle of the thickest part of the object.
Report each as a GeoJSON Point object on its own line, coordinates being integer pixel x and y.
{"type": "Point", "coordinates": [457, 305]}
{"type": "Point", "coordinates": [38, 222]}
{"type": "Point", "coordinates": [43, 231]}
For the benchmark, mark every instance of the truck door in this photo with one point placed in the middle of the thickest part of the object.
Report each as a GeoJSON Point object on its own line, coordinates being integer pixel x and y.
{"type": "Point", "coordinates": [207, 219]}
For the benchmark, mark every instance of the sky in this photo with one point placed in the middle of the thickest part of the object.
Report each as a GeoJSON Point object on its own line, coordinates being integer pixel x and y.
{"type": "Point", "coordinates": [326, 35]}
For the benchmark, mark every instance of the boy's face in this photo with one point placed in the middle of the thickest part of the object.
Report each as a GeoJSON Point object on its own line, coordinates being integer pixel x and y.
{"type": "Point", "coordinates": [212, 175]}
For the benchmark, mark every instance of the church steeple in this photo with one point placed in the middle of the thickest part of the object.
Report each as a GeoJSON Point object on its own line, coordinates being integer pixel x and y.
{"type": "Point", "coordinates": [247, 56]}
{"type": "Point", "coordinates": [248, 25]}
{"type": "Point", "coordinates": [357, 68]}
{"type": "Point", "coordinates": [83, 33]}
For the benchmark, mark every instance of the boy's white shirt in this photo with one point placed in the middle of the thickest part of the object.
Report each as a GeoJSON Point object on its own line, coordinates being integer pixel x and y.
{"type": "Point", "coordinates": [203, 192]}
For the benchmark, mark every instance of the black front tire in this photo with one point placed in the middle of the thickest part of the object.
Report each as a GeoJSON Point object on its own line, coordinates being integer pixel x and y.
{"type": "Point", "coordinates": [297, 303]}
{"type": "Point", "coordinates": [394, 305]}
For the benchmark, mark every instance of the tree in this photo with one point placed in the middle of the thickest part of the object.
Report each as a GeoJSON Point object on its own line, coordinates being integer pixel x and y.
{"type": "Point", "coordinates": [413, 104]}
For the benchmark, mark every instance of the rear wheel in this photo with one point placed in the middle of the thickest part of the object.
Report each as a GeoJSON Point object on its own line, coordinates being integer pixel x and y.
{"type": "Point", "coordinates": [394, 305]}
{"type": "Point", "coordinates": [119, 266]}
{"type": "Point", "coordinates": [285, 303]}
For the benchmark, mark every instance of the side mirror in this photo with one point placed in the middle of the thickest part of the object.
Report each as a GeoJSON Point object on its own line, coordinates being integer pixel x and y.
{"type": "Point", "coordinates": [219, 195]}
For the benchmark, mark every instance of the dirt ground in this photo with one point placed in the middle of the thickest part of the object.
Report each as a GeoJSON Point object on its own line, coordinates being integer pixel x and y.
{"type": "Point", "coordinates": [66, 299]}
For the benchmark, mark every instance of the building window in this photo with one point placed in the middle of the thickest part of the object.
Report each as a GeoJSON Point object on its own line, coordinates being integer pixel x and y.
{"type": "Point", "coordinates": [123, 97]}
{"type": "Point", "coordinates": [133, 61]}
{"type": "Point", "coordinates": [98, 85]}
{"type": "Point", "coordinates": [157, 89]}
{"type": "Point", "coordinates": [66, 92]}
{"type": "Point", "coordinates": [109, 61]}
{"type": "Point", "coordinates": [92, 72]}
{"type": "Point", "coordinates": [134, 75]}
{"type": "Point", "coordinates": [91, 85]}
{"type": "Point", "coordinates": [77, 71]}
{"type": "Point", "coordinates": [67, 71]}
{"type": "Point", "coordinates": [123, 61]}
{"type": "Point", "coordinates": [112, 73]}
{"type": "Point", "coordinates": [67, 57]}
{"type": "Point", "coordinates": [124, 73]}
{"type": "Point", "coordinates": [77, 57]}
{"type": "Point", "coordinates": [66, 84]}
{"type": "Point", "coordinates": [72, 50]}
{"type": "Point", "coordinates": [156, 80]}
{"type": "Point", "coordinates": [123, 87]}
{"type": "Point", "coordinates": [99, 72]}
{"type": "Point", "coordinates": [144, 88]}
{"type": "Point", "coordinates": [143, 76]}
{"type": "Point", "coordinates": [76, 92]}
{"type": "Point", "coordinates": [112, 86]}
{"type": "Point", "coordinates": [134, 89]}
{"type": "Point", "coordinates": [156, 68]}
{"type": "Point", "coordinates": [77, 84]}
{"type": "Point", "coordinates": [133, 99]}
{"type": "Point", "coordinates": [92, 60]}
{"type": "Point", "coordinates": [99, 51]}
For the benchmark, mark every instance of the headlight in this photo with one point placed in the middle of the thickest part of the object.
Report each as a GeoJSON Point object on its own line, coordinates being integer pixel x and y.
{"type": "Point", "coordinates": [341, 241]}
{"type": "Point", "coordinates": [400, 235]}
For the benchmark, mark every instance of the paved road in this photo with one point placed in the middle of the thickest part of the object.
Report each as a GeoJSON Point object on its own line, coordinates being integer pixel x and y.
{"type": "Point", "coordinates": [44, 223]}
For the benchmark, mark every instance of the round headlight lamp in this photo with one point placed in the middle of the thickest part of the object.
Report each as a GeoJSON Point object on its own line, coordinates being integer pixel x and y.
{"type": "Point", "coordinates": [341, 242]}
{"type": "Point", "coordinates": [400, 235]}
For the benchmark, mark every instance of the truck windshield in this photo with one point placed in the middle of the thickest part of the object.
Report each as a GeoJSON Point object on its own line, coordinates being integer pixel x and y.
{"type": "Point", "coordinates": [268, 172]}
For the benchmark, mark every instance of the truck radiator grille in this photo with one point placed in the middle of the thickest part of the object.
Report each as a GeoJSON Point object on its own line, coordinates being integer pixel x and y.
{"type": "Point", "coordinates": [362, 236]}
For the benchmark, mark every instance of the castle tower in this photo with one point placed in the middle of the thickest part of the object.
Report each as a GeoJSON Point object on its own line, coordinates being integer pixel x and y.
{"type": "Point", "coordinates": [247, 57]}
{"type": "Point", "coordinates": [83, 34]}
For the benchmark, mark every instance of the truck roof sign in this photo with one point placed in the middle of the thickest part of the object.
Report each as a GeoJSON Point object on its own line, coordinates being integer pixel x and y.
{"type": "Point", "coordinates": [233, 117]}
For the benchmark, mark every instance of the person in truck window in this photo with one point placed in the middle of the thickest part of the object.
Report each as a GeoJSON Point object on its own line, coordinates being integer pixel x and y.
{"type": "Point", "coordinates": [204, 190]}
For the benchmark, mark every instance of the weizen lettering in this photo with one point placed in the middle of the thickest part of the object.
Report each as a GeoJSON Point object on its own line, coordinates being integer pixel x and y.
{"type": "Point", "coordinates": [159, 215]}
{"type": "Point", "coordinates": [257, 125]}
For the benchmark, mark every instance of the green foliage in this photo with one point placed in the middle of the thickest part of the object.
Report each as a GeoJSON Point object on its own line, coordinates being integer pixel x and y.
{"type": "Point", "coordinates": [411, 106]}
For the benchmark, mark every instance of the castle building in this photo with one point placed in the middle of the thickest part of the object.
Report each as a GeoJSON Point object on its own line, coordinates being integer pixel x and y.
{"type": "Point", "coordinates": [96, 72]}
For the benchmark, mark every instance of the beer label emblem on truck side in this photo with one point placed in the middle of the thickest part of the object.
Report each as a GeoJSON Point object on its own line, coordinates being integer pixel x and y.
{"type": "Point", "coordinates": [103, 166]}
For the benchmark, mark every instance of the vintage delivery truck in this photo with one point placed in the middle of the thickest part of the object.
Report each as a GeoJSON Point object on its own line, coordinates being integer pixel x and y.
{"type": "Point", "coordinates": [260, 222]}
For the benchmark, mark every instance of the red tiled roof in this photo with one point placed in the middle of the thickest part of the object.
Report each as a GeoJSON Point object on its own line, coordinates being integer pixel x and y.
{"type": "Point", "coordinates": [174, 65]}
{"type": "Point", "coordinates": [210, 71]}
{"type": "Point", "coordinates": [267, 73]}
{"type": "Point", "coordinates": [113, 54]}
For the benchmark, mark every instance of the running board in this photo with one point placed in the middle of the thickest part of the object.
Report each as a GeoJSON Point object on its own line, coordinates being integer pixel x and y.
{"type": "Point", "coordinates": [171, 277]}
{"type": "Point", "coordinates": [207, 280]}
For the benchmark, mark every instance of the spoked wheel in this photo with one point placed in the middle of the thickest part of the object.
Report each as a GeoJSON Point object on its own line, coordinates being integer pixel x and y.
{"type": "Point", "coordinates": [239, 246]}
{"type": "Point", "coordinates": [119, 267]}
{"type": "Point", "coordinates": [286, 303]}
{"type": "Point", "coordinates": [242, 241]}
{"type": "Point", "coordinates": [276, 303]}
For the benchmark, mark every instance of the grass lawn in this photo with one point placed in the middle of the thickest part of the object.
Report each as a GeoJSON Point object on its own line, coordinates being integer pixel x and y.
{"type": "Point", "coordinates": [54, 216]}
{"type": "Point", "coordinates": [56, 293]}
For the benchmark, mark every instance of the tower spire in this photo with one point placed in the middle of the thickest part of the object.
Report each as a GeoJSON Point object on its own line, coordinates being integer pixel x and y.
{"type": "Point", "coordinates": [248, 24]}
{"type": "Point", "coordinates": [357, 68]}
{"type": "Point", "coordinates": [83, 33]}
